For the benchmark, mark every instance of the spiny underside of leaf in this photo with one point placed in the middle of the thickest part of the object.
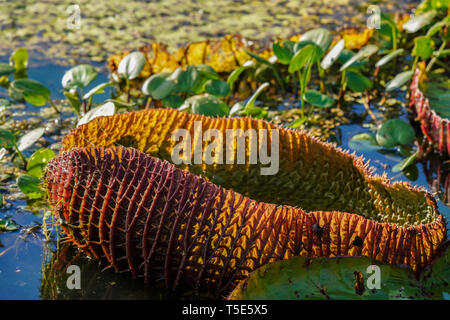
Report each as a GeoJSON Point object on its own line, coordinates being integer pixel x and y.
{"type": "Point", "coordinates": [435, 128]}
{"type": "Point", "coordinates": [139, 213]}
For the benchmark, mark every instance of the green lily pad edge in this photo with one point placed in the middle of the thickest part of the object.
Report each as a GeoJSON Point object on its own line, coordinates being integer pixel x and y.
{"type": "Point", "coordinates": [303, 278]}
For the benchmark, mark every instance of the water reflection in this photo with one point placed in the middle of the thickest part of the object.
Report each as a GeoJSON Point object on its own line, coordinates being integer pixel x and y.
{"type": "Point", "coordinates": [96, 283]}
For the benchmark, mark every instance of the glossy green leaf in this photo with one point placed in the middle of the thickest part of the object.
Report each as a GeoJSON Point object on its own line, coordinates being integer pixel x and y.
{"type": "Point", "coordinates": [217, 88]}
{"type": "Point", "coordinates": [258, 58]}
{"type": "Point", "coordinates": [107, 109]}
{"type": "Point", "coordinates": [30, 186]}
{"type": "Point", "coordinates": [333, 55]}
{"type": "Point", "coordinates": [38, 161]}
{"type": "Point", "coordinates": [423, 47]}
{"type": "Point", "coordinates": [399, 80]}
{"type": "Point", "coordinates": [389, 57]}
{"type": "Point", "coordinates": [402, 165]}
{"type": "Point", "coordinates": [98, 89]}
{"type": "Point", "coordinates": [20, 59]}
{"type": "Point", "coordinates": [33, 91]}
{"type": "Point", "coordinates": [255, 95]}
{"type": "Point", "coordinates": [5, 69]}
{"type": "Point", "coordinates": [418, 22]}
{"type": "Point", "coordinates": [131, 66]}
{"type": "Point", "coordinates": [30, 138]}
{"type": "Point", "coordinates": [172, 101]}
{"type": "Point", "coordinates": [318, 99]}
{"type": "Point", "coordinates": [234, 75]}
{"type": "Point", "coordinates": [7, 224]}
{"type": "Point", "coordinates": [307, 55]}
{"type": "Point", "coordinates": [303, 278]}
{"type": "Point", "coordinates": [207, 72]}
{"type": "Point", "coordinates": [185, 79]}
{"type": "Point", "coordinates": [7, 139]}
{"type": "Point", "coordinates": [158, 86]}
{"type": "Point", "coordinates": [438, 26]}
{"type": "Point", "coordinates": [347, 55]}
{"type": "Point", "coordinates": [284, 55]}
{"type": "Point", "coordinates": [79, 77]}
{"type": "Point", "coordinates": [73, 100]}
{"type": "Point", "coordinates": [357, 82]}
{"type": "Point", "coordinates": [321, 37]}
{"type": "Point", "coordinates": [363, 53]}
{"type": "Point", "coordinates": [208, 105]}
{"type": "Point", "coordinates": [395, 132]}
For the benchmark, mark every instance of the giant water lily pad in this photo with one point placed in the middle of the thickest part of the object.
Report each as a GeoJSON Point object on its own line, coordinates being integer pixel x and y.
{"type": "Point", "coordinates": [302, 278]}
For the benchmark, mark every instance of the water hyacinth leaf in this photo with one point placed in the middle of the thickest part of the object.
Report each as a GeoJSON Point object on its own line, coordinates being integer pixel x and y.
{"type": "Point", "coordinates": [363, 142]}
{"type": "Point", "coordinates": [301, 278]}
{"type": "Point", "coordinates": [73, 100]}
{"type": "Point", "coordinates": [399, 80]}
{"type": "Point", "coordinates": [402, 165]}
{"type": "Point", "coordinates": [98, 89]}
{"type": "Point", "coordinates": [357, 82]}
{"type": "Point", "coordinates": [207, 71]}
{"type": "Point", "coordinates": [108, 109]}
{"type": "Point", "coordinates": [30, 186]}
{"type": "Point", "coordinates": [258, 58]}
{"type": "Point", "coordinates": [307, 55]}
{"type": "Point", "coordinates": [20, 59]}
{"type": "Point", "coordinates": [172, 101]}
{"type": "Point", "coordinates": [423, 47]}
{"type": "Point", "coordinates": [389, 57]}
{"type": "Point", "coordinates": [347, 55]}
{"type": "Point", "coordinates": [301, 44]}
{"type": "Point", "coordinates": [395, 132]}
{"type": "Point", "coordinates": [255, 95]}
{"type": "Point", "coordinates": [284, 55]}
{"type": "Point", "coordinates": [7, 139]}
{"type": "Point", "coordinates": [236, 109]}
{"type": "Point", "coordinates": [411, 172]}
{"type": "Point", "coordinates": [1, 200]}
{"type": "Point", "coordinates": [321, 37]}
{"type": "Point", "coordinates": [38, 161]}
{"type": "Point", "coordinates": [158, 86]}
{"type": "Point", "coordinates": [29, 139]}
{"type": "Point", "coordinates": [298, 122]}
{"type": "Point", "coordinates": [217, 88]}
{"type": "Point", "coordinates": [7, 224]}
{"type": "Point", "coordinates": [362, 54]}
{"type": "Point", "coordinates": [6, 69]}
{"type": "Point", "coordinates": [234, 75]}
{"type": "Point", "coordinates": [33, 91]}
{"type": "Point", "coordinates": [185, 79]}
{"type": "Point", "coordinates": [79, 77]}
{"type": "Point", "coordinates": [438, 26]}
{"type": "Point", "coordinates": [333, 55]}
{"type": "Point", "coordinates": [131, 66]}
{"type": "Point", "coordinates": [208, 105]}
{"type": "Point", "coordinates": [318, 99]}
{"type": "Point", "coordinates": [418, 22]}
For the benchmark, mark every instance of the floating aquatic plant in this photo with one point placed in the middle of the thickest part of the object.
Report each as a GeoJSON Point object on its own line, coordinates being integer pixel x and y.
{"type": "Point", "coordinates": [210, 227]}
